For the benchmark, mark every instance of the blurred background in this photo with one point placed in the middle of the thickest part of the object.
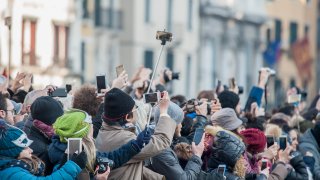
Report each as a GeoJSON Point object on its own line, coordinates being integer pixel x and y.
{"type": "Point", "coordinates": [72, 41]}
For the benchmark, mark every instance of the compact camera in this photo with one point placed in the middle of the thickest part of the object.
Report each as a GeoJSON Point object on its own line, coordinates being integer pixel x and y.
{"type": "Point", "coordinates": [103, 163]}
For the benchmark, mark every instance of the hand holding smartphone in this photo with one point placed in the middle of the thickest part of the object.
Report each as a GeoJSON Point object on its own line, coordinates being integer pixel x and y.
{"type": "Point", "coordinates": [222, 169]}
{"type": "Point", "coordinates": [101, 82]}
{"type": "Point", "coordinates": [74, 146]}
{"type": "Point", "coordinates": [119, 70]}
{"type": "Point", "coordinates": [283, 142]}
{"type": "Point", "coordinates": [198, 135]}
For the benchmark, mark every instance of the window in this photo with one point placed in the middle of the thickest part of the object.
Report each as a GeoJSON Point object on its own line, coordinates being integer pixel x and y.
{"type": "Point", "coordinates": [60, 45]}
{"type": "Point", "coordinates": [97, 13]}
{"type": "Point", "coordinates": [148, 59]}
{"type": "Point", "coordinates": [293, 32]}
{"type": "Point", "coordinates": [188, 73]}
{"type": "Point", "coordinates": [278, 30]}
{"type": "Point", "coordinates": [268, 35]}
{"type": "Point", "coordinates": [306, 30]}
{"type": "Point", "coordinates": [189, 20]}
{"type": "Point", "coordinates": [111, 13]}
{"type": "Point", "coordinates": [29, 42]}
{"type": "Point", "coordinates": [147, 11]}
{"type": "Point", "coordinates": [169, 15]}
{"type": "Point", "coordinates": [85, 12]}
{"type": "Point", "coordinates": [170, 60]}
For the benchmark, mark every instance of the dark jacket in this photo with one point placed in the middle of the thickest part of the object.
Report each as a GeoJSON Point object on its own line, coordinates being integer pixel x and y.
{"type": "Point", "coordinates": [254, 96]}
{"type": "Point", "coordinates": [97, 121]}
{"type": "Point", "coordinates": [309, 143]}
{"type": "Point", "coordinates": [40, 147]}
{"type": "Point", "coordinates": [200, 122]}
{"type": "Point", "coordinates": [119, 156]}
{"type": "Point", "coordinates": [167, 164]}
{"type": "Point", "coordinates": [299, 171]}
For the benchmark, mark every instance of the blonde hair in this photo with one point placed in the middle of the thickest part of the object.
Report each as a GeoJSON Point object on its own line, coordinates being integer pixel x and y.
{"type": "Point", "coordinates": [90, 150]}
{"type": "Point", "coordinates": [240, 168]}
{"type": "Point", "coordinates": [273, 130]}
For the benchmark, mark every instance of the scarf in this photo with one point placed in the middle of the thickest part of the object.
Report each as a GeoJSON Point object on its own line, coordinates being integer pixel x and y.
{"type": "Point", "coordinates": [45, 129]}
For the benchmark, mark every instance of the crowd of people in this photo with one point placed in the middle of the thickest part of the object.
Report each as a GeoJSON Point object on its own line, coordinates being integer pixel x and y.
{"type": "Point", "coordinates": [124, 137]}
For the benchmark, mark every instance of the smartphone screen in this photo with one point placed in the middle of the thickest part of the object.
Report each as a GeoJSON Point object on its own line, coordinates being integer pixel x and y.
{"type": "Point", "coordinates": [151, 97]}
{"type": "Point", "coordinates": [198, 135]}
{"type": "Point", "coordinates": [294, 98]}
{"type": "Point", "coordinates": [74, 146]}
{"type": "Point", "coordinates": [101, 82]}
{"type": "Point", "coordinates": [283, 142]}
{"type": "Point", "coordinates": [119, 70]}
{"type": "Point", "coordinates": [270, 141]}
{"type": "Point", "coordinates": [264, 164]}
{"type": "Point", "coordinates": [221, 169]}
{"type": "Point", "coordinates": [59, 92]}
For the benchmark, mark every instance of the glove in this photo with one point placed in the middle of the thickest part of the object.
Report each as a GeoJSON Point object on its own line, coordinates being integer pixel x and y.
{"type": "Point", "coordinates": [63, 160]}
{"type": "Point", "coordinates": [144, 137]}
{"type": "Point", "coordinates": [80, 159]}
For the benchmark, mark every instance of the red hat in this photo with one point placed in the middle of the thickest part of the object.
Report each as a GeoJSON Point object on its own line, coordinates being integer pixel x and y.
{"type": "Point", "coordinates": [254, 139]}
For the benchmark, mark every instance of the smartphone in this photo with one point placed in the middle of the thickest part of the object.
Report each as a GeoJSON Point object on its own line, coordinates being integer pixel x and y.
{"type": "Point", "coordinates": [119, 70]}
{"type": "Point", "coordinates": [264, 164]}
{"type": "Point", "coordinates": [101, 82]}
{"type": "Point", "coordinates": [151, 97]}
{"type": "Point", "coordinates": [68, 87]}
{"type": "Point", "coordinates": [218, 86]}
{"type": "Point", "coordinates": [74, 146]}
{"type": "Point", "coordinates": [270, 141]}
{"type": "Point", "coordinates": [232, 83]}
{"type": "Point", "coordinates": [59, 92]}
{"type": "Point", "coordinates": [283, 142]}
{"type": "Point", "coordinates": [222, 169]}
{"type": "Point", "coordinates": [162, 35]}
{"type": "Point", "coordinates": [198, 135]}
{"type": "Point", "coordinates": [294, 98]}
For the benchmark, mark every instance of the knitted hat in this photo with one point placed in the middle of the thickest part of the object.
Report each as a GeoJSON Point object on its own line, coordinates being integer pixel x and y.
{"type": "Point", "coordinates": [12, 140]}
{"type": "Point", "coordinates": [228, 99]}
{"type": "Point", "coordinates": [72, 124]}
{"type": "Point", "coordinates": [174, 111]}
{"type": "Point", "coordinates": [46, 109]}
{"type": "Point", "coordinates": [117, 104]}
{"type": "Point", "coordinates": [226, 118]}
{"type": "Point", "coordinates": [255, 140]}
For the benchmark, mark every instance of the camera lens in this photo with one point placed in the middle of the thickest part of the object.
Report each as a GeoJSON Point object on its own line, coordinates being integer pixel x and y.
{"type": "Point", "coordinates": [175, 76]}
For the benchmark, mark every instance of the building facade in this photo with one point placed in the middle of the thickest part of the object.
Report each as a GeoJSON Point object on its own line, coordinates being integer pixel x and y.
{"type": "Point", "coordinates": [39, 38]}
{"type": "Point", "coordinates": [231, 42]}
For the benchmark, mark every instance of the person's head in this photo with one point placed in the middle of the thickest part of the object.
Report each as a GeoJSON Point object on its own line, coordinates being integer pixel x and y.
{"type": "Point", "coordinates": [273, 130]}
{"type": "Point", "coordinates": [254, 139]}
{"type": "Point", "coordinates": [30, 98]}
{"type": "Point", "coordinates": [119, 108]}
{"type": "Point", "coordinates": [46, 110]}
{"type": "Point", "coordinates": [179, 100]}
{"type": "Point", "coordinates": [229, 99]}
{"type": "Point", "coordinates": [293, 134]}
{"type": "Point", "coordinates": [76, 123]}
{"type": "Point", "coordinates": [6, 109]}
{"type": "Point", "coordinates": [256, 122]}
{"type": "Point", "coordinates": [14, 143]}
{"type": "Point", "coordinates": [176, 113]}
{"type": "Point", "coordinates": [281, 120]}
{"type": "Point", "coordinates": [209, 95]}
{"type": "Point", "coordinates": [86, 99]}
{"type": "Point", "coordinates": [227, 119]}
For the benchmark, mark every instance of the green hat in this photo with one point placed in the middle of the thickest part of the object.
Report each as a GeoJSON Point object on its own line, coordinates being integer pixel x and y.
{"type": "Point", "coordinates": [72, 124]}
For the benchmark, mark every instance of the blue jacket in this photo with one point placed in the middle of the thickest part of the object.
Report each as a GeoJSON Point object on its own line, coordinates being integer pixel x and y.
{"type": "Point", "coordinates": [69, 170]}
{"type": "Point", "coordinates": [119, 156]}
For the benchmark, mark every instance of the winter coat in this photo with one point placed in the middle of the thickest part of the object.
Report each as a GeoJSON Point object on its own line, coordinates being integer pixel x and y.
{"type": "Point", "coordinates": [119, 156]}
{"type": "Point", "coordinates": [69, 171]}
{"type": "Point", "coordinates": [255, 95]}
{"type": "Point", "coordinates": [40, 147]}
{"type": "Point", "coordinates": [299, 171]}
{"type": "Point", "coordinates": [309, 143]}
{"type": "Point", "coordinates": [97, 121]}
{"type": "Point", "coordinates": [167, 164]}
{"type": "Point", "coordinates": [200, 122]}
{"type": "Point", "coordinates": [112, 137]}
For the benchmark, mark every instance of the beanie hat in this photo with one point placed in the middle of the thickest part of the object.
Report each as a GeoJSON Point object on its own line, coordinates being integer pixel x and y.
{"type": "Point", "coordinates": [12, 140]}
{"type": "Point", "coordinates": [46, 109]}
{"type": "Point", "coordinates": [174, 111]}
{"type": "Point", "coordinates": [72, 124]}
{"type": "Point", "coordinates": [117, 104]}
{"type": "Point", "coordinates": [226, 118]}
{"type": "Point", "coordinates": [228, 99]}
{"type": "Point", "coordinates": [255, 140]}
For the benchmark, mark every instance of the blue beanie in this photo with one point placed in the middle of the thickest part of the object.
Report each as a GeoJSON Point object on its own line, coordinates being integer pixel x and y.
{"type": "Point", "coordinates": [12, 140]}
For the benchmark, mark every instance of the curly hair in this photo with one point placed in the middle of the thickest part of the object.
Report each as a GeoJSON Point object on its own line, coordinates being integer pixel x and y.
{"type": "Point", "coordinates": [86, 99]}
{"type": "Point", "coordinates": [240, 169]}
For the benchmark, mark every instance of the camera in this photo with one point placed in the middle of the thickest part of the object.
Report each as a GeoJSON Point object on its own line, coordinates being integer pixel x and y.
{"type": "Point", "coordinates": [192, 103]}
{"type": "Point", "coordinates": [164, 36]}
{"type": "Point", "coordinates": [103, 163]}
{"type": "Point", "coordinates": [175, 75]}
{"type": "Point", "coordinates": [152, 97]}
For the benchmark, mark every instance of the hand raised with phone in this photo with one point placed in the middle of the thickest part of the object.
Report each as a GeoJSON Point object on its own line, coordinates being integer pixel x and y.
{"type": "Point", "coordinates": [164, 102]}
{"type": "Point", "coordinates": [215, 106]}
{"type": "Point", "coordinates": [198, 149]}
{"type": "Point", "coordinates": [121, 81]}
